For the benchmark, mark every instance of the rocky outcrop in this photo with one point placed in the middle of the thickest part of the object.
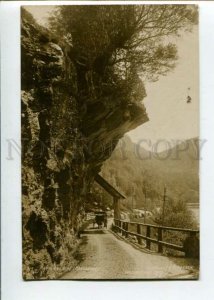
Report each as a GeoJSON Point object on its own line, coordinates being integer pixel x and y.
{"type": "Point", "coordinates": [71, 123]}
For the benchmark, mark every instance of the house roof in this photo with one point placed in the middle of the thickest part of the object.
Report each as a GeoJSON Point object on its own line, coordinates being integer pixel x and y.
{"type": "Point", "coordinates": [108, 187]}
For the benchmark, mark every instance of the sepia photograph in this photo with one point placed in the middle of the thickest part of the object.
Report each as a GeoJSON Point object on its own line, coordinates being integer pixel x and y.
{"type": "Point", "coordinates": [110, 142]}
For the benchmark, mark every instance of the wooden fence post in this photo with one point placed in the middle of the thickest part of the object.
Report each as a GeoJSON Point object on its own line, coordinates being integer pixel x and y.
{"type": "Point", "coordinates": [119, 226]}
{"type": "Point", "coordinates": [160, 237]}
{"type": "Point", "coordinates": [139, 231]}
{"type": "Point", "coordinates": [127, 229]}
{"type": "Point", "coordinates": [148, 232]}
{"type": "Point", "coordinates": [114, 225]}
{"type": "Point", "coordinates": [191, 245]}
{"type": "Point", "coordinates": [123, 227]}
{"type": "Point", "coordinates": [116, 208]}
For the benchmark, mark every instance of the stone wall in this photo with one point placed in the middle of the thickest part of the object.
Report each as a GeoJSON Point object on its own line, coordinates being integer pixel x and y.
{"type": "Point", "coordinates": [71, 123]}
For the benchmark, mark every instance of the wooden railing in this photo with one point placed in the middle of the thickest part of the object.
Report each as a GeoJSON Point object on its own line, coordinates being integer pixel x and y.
{"type": "Point", "coordinates": [189, 245]}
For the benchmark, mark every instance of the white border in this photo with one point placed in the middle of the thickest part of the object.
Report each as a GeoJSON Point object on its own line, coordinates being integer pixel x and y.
{"type": "Point", "coordinates": [12, 285]}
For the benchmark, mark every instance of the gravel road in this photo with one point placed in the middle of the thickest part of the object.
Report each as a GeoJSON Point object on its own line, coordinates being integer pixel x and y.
{"type": "Point", "coordinates": [104, 256]}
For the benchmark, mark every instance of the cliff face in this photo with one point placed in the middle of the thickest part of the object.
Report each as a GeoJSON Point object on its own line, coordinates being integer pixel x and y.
{"type": "Point", "coordinates": [71, 123]}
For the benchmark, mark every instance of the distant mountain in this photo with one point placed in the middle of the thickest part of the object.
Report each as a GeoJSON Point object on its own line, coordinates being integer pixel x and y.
{"type": "Point", "coordinates": [136, 171]}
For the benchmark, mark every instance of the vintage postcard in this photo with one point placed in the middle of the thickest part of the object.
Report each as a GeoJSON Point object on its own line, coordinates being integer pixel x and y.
{"type": "Point", "coordinates": [110, 141]}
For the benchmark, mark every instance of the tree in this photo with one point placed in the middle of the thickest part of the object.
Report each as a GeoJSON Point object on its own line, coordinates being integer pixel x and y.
{"type": "Point", "coordinates": [133, 39]}
{"type": "Point", "coordinates": [176, 215]}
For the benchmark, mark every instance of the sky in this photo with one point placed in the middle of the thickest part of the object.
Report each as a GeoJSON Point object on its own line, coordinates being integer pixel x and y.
{"type": "Point", "coordinates": [170, 117]}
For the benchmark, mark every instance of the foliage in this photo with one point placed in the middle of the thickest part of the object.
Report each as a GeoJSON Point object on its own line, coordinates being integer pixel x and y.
{"type": "Point", "coordinates": [132, 39]}
{"type": "Point", "coordinates": [176, 214]}
{"type": "Point", "coordinates": [134, 174]}
{"type": "Point", "coordinates": [120, 46]}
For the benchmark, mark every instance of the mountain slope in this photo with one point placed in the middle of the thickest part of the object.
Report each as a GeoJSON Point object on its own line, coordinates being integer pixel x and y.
{"type": "Point", "coordinates": [134, 170]}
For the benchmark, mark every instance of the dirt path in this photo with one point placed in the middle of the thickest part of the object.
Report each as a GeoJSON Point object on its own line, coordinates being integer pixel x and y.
{"type": "Point", "coordinates": [104, 256]}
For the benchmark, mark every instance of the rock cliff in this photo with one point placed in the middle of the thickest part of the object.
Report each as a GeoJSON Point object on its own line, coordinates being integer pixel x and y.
{"type": "Point", "coordinates": [72, 120]}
